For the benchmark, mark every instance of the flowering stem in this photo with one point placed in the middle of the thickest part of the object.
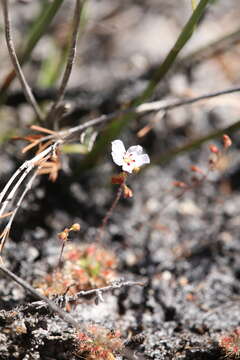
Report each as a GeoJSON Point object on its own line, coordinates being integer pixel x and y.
{"type": "Point", "coordinates": [61, 254]}
{"type": "Point", "coordinates": [109, 213]}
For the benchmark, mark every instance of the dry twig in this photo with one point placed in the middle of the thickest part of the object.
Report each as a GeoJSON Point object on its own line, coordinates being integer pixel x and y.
{"type": "Point", "coordinates": [98, 292]}
{"type": "Point", "coordinates": [155, 106]}
{"type": "Point", "coordinates": [52, 306]}
{"type": "Point", "coordinates": [17, 206]}
{"type": "Point", "coordinates": [13, 186]}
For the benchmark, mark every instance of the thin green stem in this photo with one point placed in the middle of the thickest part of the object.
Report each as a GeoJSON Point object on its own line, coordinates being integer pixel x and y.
{"type": "Point", "coordinates": [173, 53]}
{"type": "Point", "coordinates": [39, 27]}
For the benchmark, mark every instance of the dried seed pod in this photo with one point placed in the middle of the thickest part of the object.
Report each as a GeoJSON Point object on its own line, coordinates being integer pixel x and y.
{"type": "Point", "coordinates": [75, 227]}
{"type": "Point", "coordinates": [227, 142]}
{"type": "Point", "coordinates": [127, 192]}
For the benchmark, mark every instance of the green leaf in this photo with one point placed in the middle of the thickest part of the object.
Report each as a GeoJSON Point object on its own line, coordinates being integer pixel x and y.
{"type": "Point", "coordinates": [51, 67]}
{"type": "Point", "coordinates": [75, 149]}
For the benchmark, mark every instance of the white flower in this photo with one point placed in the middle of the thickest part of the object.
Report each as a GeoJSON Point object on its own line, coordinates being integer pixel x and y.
{"type": "Point", "coordinates": [131, 159]}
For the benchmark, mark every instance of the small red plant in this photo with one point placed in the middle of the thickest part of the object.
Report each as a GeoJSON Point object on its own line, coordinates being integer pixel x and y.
{"type": "Point", "coordinates": [231, 344]}
{"type": "Point", "coordinates": [98, 343]}
{"type": "Point", "coordinates": [84, 268]}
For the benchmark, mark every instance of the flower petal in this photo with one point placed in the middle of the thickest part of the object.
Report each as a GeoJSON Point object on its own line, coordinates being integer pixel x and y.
{"type": "Point", "coordinates": [142, 159]}
{"type": "Point", "coordinates": [118, 152]}
{"type": "Point", "coordinates": [117, 159]}
{"type": "Point", "coordinates": [118, 146]}
{"type": "Point", "coordinates": [137, 149]}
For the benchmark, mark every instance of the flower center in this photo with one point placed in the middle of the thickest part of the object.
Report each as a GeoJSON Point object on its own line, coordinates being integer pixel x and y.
{"type": "Point", "coordinates": [128, 159]}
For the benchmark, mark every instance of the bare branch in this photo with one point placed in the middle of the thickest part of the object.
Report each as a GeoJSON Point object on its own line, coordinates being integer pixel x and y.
{"type": "Point", "coordinates": [26, 88]}
{"type": "Point", "coordinates": [95, 292]}
{"type": "Point", "coordinates": [178, 103]}
{"type": "Point", "coordinates": [52, 306]}
{"type": "Point", "coordinates": [155, 106]}
{"type": "Point", "coordinates": [71, 57]}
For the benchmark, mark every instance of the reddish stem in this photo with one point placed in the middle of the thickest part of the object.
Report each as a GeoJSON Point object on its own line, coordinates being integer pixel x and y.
{"type": "Point", "coordinates": [109, 213]}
